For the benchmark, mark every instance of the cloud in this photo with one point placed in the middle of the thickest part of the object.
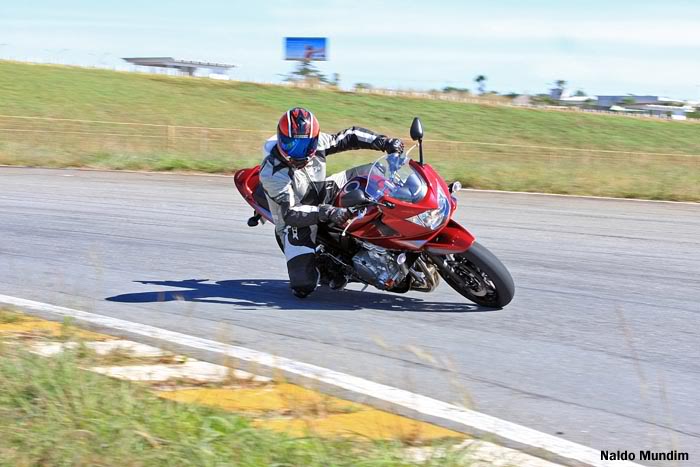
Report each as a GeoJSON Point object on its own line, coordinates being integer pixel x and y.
{"type": "Point", "coordinates": [658, 34]}
{"type": "Point", "coordinates": [603, 45]}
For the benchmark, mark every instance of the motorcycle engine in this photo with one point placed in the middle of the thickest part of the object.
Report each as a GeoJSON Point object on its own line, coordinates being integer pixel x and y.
{"type": "Point", "coordinates": [380, 267]}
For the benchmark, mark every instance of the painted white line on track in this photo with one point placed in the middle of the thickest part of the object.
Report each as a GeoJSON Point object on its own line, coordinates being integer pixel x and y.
{"type": "Point", "coordinates": [398, 400]}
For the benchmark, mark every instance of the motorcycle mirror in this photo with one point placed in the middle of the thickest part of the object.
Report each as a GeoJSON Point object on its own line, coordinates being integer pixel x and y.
{"type": "Point", "coordinates": [353, 198]}
{"type": "Point", "coordinates": [416, 130]}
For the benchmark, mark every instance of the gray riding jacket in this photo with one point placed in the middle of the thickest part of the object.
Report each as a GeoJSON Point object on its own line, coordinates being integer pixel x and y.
{"type": "Point", "coordinates": [294, 194]}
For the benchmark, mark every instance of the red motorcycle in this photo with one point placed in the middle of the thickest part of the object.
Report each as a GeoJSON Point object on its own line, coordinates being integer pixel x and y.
{"type": "Point", "coordinates": [402, 236]}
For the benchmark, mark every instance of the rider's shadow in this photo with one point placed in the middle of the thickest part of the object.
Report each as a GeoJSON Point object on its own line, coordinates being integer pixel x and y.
{"type": "Point", "coordinates": [275, 294]}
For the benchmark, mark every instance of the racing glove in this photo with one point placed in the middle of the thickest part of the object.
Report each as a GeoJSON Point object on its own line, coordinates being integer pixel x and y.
{"type": "Point", "coordinates": [332, 214]}
{"type": "Point", "coordinates": [393, 145]}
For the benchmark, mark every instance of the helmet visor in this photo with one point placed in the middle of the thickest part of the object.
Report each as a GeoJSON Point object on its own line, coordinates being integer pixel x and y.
{"type": "Point", "coordinates": [298, 148]}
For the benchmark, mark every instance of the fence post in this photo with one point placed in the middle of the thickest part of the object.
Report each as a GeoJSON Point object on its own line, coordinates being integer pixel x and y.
{"type": "Point", "coordinates": [169, 137]}
{"type": "Point", "coordinates": [204, 141]}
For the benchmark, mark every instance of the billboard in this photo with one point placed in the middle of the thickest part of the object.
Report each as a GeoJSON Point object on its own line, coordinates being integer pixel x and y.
{"type": "Point", "coordinates": [305, 48]}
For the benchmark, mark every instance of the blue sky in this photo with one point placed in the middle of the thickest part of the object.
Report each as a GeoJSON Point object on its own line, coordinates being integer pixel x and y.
{"type": "Point", "coordinates": [601, 46]}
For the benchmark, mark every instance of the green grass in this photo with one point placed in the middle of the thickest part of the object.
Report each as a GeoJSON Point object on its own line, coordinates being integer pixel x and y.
{"type": "Point", "coordinates": [52, 413]}
{"type": "Point", "coordinates": [76, 93]}
{"type": "Point", "coordinates": [8, 316]}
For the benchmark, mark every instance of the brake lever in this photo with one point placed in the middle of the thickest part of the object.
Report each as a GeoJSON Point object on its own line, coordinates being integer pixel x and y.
{"type": "Point", "coordinates": [358, 208]}
{"type": "Point", "coordinates": [383, 204]}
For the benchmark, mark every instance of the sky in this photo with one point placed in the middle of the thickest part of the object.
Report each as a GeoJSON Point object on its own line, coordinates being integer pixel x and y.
{"type": "Point", "coordinates": [600, 46]}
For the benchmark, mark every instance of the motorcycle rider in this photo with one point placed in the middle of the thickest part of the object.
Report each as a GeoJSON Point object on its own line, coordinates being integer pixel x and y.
{"type": "Point", "coordinates": [293, 175]}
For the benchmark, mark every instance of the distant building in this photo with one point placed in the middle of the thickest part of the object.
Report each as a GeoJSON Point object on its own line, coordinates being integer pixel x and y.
{"type": "Point", "coordinates": [609, 101]}
{"type": "Point", "coordinates": [650, 105]}
{"type": "Point", "coordinates": [565, 97]}
{"type": "Point", "coordinates": [183, 66]}
{"type": "Point", "coordinates": [674, 112]}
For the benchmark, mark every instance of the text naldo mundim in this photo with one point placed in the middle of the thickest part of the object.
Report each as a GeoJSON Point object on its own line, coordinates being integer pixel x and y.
{"type": "Point", "coordinates": [644, 455]}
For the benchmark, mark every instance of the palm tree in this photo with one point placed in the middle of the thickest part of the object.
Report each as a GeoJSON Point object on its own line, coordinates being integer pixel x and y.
{"type": "Point", "coordinates": [480, 81]}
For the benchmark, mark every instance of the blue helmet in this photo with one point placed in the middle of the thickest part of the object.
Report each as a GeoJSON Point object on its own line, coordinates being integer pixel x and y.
{"type": "Point", "coordinates": [297, 136]}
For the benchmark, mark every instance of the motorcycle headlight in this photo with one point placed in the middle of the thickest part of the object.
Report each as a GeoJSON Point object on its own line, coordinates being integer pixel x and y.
{"type": "Point", "coordinates": [434, 218]}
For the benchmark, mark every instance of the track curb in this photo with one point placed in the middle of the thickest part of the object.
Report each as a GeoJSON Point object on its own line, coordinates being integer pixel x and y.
{"type": "Point", "coordinates": [384, 397]}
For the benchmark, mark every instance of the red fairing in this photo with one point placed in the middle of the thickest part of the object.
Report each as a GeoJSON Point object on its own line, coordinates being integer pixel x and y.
{"type": "Point", "coordinates": [453, 238]}
{"type": "Point", "coordinates": [391, 229]}
{"type": "Point", "coordinates": [248, 181]}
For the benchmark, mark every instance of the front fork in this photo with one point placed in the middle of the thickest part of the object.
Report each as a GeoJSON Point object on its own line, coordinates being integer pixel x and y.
{"type": "Point", "coordinates": [425, 276]}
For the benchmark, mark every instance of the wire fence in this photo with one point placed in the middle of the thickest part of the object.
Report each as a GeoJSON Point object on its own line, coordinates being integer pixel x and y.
{"type": "Point", "coordinates": [75, 136]}
{"type": "Point", "coordinates": [84, 136]}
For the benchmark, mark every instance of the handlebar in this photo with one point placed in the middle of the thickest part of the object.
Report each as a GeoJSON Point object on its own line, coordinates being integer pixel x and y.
{"type": "Point", "coordinates": [359, 207]}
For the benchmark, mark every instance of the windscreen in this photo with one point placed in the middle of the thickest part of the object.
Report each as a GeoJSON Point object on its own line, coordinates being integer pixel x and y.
{"type": "Point", "coordinates": [392, 176]}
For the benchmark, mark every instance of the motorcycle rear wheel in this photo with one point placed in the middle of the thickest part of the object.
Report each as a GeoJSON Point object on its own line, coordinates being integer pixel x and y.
{"type": "Point", "coordinates": [478, 275]}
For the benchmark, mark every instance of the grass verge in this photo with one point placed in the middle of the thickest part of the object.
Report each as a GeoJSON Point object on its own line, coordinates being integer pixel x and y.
{"type": "Point", "coordinates": [53, 413]}
{"type": "Point", "coordinates": [525, 150]}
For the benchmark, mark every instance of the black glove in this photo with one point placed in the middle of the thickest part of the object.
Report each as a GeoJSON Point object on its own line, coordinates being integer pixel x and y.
{"type": "Point", "coordinates": [328, 213]}
{"type": "Point", "coordinates": [393, 145]}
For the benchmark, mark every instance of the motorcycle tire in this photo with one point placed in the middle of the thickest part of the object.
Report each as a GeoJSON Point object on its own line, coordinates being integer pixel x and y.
{"type": "Point", "coordinates": [478, 275]}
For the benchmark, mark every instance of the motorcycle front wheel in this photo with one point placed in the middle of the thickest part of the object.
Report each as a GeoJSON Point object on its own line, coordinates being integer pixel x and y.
{"type": "Point", "coordinates": [477, 275]}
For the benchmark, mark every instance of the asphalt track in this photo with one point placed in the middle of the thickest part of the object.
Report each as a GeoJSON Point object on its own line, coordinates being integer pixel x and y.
{"type": "Point", "coordinates": [600, 345]}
